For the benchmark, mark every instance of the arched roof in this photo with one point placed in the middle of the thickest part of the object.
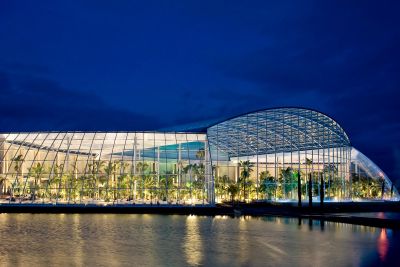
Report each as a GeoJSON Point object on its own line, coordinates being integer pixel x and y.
{"type": "Point", "coordinates": [277, 130]}
{"type": "Point", "coordinates": [371, 169]}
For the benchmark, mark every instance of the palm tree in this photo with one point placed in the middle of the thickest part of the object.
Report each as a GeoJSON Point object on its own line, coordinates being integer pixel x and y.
{"type": "Point", "coordinates": [179, 187]}
{"type": "Point", "coordinates": [54, 179]}
{"type": "Point", "coordinates": [149, 186]}
{"type": "Point", "coordinates": [142, 170]}
{"type": "Point", "coordinates": [200, 173]}
{"type": "Point", "coordinates": [94, 169]}
{"type": "Point", "coordinates": [141, 167]}
{"type": "Point", "coordinates": [190, 170]}
{"type": "Point", "coordinates": [288, 177]}
{"type": "Point", "coordinates": [123, 185]}
{"type": "Point", "coordinates": [166, 187]}
{"type": "Point", "coordinates": [332, 171]}
{"type": "Point", "coordinates": [309, 163]}
{"type": "Point", "coordinates": [221, 185]}
{"type": "Point", "coordinates": [18, 163]}
{"type": "Point", "coordinates": [2, 186]}
{"type": "Point", "coordinates": [122, 180]}
{"type": "Point", "coordinates": [73, 181]}
{"type": "Point", "coordinates": [36, 171]}
{"type": "Point", "coordinates": [200, 154]}
{"type": "Point", "coordinates": [233, 189]}
{"type": "Point", "coordinates": [267, 184]}
{"type": "Point", "coordinates": [19, 160]}
{"type": "Point", "coordinates": [245, 174]}
{"type": "Point", "coordinates": [111, 171]}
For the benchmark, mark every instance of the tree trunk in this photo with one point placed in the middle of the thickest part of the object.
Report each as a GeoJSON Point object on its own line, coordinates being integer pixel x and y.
{"type": "Point", "coordinates": [244, 189]}
{"type": "Point", "coordinates": [322, 190]}
{"type": "Point", "coordinates": [299, 189]}
{"type": "Point", "coordinates": [114, 187]}
{"type": "Point", "coordinates": [309, 191]}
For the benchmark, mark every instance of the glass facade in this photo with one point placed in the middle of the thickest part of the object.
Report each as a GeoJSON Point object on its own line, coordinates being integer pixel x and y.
{"type": "Point", "coordinates": [112, 167]}
{"type": "Point", "coordinates": [286, 153]}
{"type": "Point", "coordinates": [368, 180]}
{"type": "Point", "coordinates": [275, 154]}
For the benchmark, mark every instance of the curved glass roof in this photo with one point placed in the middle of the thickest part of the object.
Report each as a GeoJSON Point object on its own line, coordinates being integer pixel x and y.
{"type": "Point", "coordinates": [371, 169]}
{"type": "Point", "coordinates": [277, 130]}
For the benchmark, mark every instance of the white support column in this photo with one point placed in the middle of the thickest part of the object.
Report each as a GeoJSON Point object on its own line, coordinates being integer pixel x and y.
{"type": "Point", "coordinates": [134, 155]}
{"type": "Point", "coordinates": [158, 165]}
{"type": "Point", "coordinates": [179, 164]}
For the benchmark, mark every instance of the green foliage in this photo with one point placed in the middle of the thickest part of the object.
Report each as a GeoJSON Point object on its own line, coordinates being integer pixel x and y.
{"type": "Point", "coordinates": [233, 190]}
{"type": "Point", "coordinates": [221, 186]}
{"type": "Point", "coordinates": [268, 185]}
{"type": "Point", "coordinates": [18, 163]}
{"type": "Point", "coordinates": [36, 171]}
{"type": "Point", "coordinates": [365, 187]}
{"type": "Point", "coordinates": [288, 178]}
{"type": "Point", "coordinates": [246, 170]}
{"type": "Point", "coordinates": [166, 187]}
{"type": "Point", "coordinates": [196, 172]}
{"type": "Point", "coordinates": [200, 154]}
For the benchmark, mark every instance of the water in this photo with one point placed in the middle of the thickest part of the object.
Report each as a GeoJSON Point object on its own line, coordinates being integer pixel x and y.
{"type": "Point", "coordinates": [157, 240]}
{"type": "Point", "coordinates": [380, 215]}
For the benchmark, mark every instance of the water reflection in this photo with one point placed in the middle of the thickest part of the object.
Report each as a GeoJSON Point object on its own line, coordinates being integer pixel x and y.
{"type": "Point", "coordinates": [154, 240]}
{"type": "Point", "coordinates": [193, 246]}
{"type": "Point", "coordinates": [383, 245]}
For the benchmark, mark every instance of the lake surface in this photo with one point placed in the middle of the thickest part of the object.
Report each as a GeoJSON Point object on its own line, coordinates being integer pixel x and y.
{"type": "Point", "coordinates": [380, 215]}
{"type": "Point", "coordinates": [159, 240]}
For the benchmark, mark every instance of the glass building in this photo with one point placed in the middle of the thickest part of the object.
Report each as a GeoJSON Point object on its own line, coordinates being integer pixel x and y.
{"type": "Point", "coordinates": [276, 154]}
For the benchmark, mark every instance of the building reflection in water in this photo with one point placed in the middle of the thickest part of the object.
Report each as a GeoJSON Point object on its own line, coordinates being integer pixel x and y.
{"type": "Point", "coordinates": [383, 244]}
{"type": "Point", "coordinates": [193, 245]}
{"type": "Point", "coordinates": [156, 240]}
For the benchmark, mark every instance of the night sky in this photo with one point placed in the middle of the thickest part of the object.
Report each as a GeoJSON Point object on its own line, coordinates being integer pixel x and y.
{"type": "Point", "coordinates": [134, 65]}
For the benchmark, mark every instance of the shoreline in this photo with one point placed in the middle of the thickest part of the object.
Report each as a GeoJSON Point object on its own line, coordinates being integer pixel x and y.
{"type": "Point", "coordinates": [330, 212]}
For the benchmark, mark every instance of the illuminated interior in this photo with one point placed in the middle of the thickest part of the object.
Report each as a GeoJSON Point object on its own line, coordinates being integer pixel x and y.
{"type": "Point", "coordinates": [269, 155]}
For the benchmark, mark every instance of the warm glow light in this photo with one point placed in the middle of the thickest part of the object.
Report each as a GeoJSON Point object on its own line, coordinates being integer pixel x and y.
{"type": "Point", "coordinates": [193, 245]}
{"type": "Point", "coordinates": [164, 168]}
{"type": "Point", "coordinates": [383, 245]}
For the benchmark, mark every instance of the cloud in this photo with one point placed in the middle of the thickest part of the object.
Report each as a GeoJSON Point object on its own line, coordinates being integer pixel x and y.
{"type": "Point", "coordinates": [24, 68]}
{"type": "Point", "coordinates": [40, 104]}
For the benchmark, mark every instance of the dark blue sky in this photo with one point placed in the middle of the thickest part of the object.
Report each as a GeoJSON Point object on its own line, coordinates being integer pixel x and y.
{"type": "Point", "coordinates": [130, 65]}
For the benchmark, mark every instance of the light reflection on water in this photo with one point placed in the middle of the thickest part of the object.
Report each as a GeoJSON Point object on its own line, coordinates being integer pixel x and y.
{"type": "Point", "coordinates": [157, 240]}
{"type": "Point", "coordinates": [383, 245]}
{"type": "Point", "coordinates": [193, 244]}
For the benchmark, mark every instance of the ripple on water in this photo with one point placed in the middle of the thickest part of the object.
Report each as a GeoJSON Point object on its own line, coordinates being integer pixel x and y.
{"type": "Point", "coordinates": [158, 240]}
